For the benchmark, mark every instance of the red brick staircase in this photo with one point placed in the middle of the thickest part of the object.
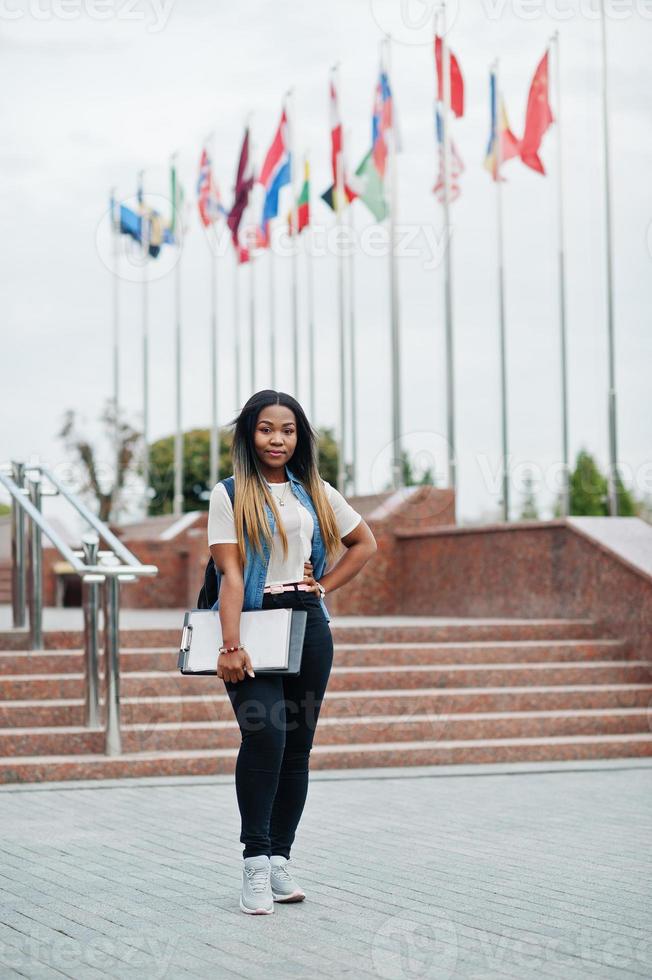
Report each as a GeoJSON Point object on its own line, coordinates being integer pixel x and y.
{"type": "Point", "coordinates": [465, 691]}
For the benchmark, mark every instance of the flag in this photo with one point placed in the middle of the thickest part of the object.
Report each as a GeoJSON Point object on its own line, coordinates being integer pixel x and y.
{"type": "Point", "coordinates": [382, 122]}
{"type": "Point", "coordinates": [244, 182]}
{"type": "Point", "coordinates": [456, 162]}
{"type": "Point", "coordinates": [209, 200]}
{"type": "Point", "coordinates": [176, 227]}
{"type": "Point", "coordinates": [509, 144]}
{"type": "Point", "coordinates": [276, 172]}
{"type": "Point", "coordinates": [456, 79]}
{"type": "Point", "coordinates": [303, 202]}
{"type": "Point", "coordinates": [538, 117]}
{"type": "Point", "coordinates": [369, 187]}
{"type": "Point", "coordinates": [143, 224]}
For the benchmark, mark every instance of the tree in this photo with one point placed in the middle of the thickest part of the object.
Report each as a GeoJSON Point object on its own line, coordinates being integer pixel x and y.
{"type": "Point", "coordinates": [410, 478]}
{"type": "Point", "coordinates": [589, 492]}
{"type": "Point", "coordinates": [123, 440]}
{"type": "Point", "coordinates": [196, 467]}
{"type": "Point", "coordinates": [529, 511]}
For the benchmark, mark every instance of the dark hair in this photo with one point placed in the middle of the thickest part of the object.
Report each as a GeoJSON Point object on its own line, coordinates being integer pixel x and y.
{"type": "Point", "coordinates": [251, 490]}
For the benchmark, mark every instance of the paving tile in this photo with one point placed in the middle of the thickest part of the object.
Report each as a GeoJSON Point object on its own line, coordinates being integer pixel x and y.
{"type": "Point", "coordinates": [509, 874]}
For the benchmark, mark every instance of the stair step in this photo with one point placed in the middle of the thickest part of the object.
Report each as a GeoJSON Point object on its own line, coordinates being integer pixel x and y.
{"type": "Point", "coordinates": [358, 755]}
{"type": "Point", "coordinates": [417, 676]}
{"type": "Point", "coordinates": [431, 630]}
{"type": "Point", "coordinates": [351, 654]}
{"type": "Point", "coordinates": [155, 710]}
{"type": "Point", "coordinates": [167, 736]}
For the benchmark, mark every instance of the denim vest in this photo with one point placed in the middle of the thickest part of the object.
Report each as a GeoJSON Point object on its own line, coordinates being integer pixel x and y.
{"type": "Point", "coordinates": [255, 570]}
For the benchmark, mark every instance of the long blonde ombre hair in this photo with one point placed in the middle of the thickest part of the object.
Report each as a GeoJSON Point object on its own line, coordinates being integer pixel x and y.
{"type": "Point", "coordinates": [251, 490]}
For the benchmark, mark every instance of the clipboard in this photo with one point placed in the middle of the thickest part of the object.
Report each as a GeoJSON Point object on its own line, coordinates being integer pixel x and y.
{"type": "Point", "coordinates": [274, 637]}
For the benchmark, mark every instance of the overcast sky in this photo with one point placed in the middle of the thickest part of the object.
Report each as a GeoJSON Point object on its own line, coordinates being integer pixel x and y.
{"type": "Point", "coordinates": [93, 91]}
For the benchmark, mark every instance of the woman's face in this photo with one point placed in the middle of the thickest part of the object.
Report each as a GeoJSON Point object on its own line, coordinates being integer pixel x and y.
{"type": "Point", "coordinates": [275, 439]}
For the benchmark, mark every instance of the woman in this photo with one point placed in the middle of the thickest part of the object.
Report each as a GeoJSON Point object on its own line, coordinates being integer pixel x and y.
{"type": "Point", "coordinates": [283, 527]}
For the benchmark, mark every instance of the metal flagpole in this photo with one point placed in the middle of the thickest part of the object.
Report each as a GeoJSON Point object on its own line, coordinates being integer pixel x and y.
{"type": "Point", "coordinates": [213, 244]}
{"type": "Point", "coordinates": [145, 331]}
{"type": "Point", "coordinates": [272, 309]}
{"type": "Point", "coordinates": [448, 261]}
{"type": "Point", "coordinates": [115, 231]}
{"type": "Point", "coordinates": [352, 306]}
{"type": "Point", "coordinates": [214, 440]}
{"type": "Point", "coordinates": [565, 491]}
{"type": "Point", "coordinates": [501, 297]}
{"type": "Point", "coordinates": [613, 431]}
{"type": "Point", "coordinates": [252, 316]}
{"type": "Point", "coordinates": [295, 243]}
{"type": "Point", "coordinates": [236, 322]}
{"type": "Point", "coordinates": [178, 435]}
{"type": "Point", "coordinates": [310, 289]}
{"type": "Point", "coordinates": [339, 206]}
{"type": "Point", "coordinates": [397, 456]}
{"type": "Point", "coordinates": [251, 247]}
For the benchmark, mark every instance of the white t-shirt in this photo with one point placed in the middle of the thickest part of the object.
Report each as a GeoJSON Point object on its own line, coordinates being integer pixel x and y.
{"type": "Point", "coordinates": [297, 521]}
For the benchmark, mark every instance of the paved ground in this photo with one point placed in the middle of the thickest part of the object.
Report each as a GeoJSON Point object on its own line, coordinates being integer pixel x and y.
{"type": "Point", "coordinates": [456, 872]}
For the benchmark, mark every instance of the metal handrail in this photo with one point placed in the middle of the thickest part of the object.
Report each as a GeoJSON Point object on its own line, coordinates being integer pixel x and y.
{"type": "Point", "coordinates": [95, 568]}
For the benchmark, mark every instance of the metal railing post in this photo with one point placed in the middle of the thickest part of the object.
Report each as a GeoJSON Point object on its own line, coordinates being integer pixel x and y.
{"type": "Point", "coordinates": [36, 569]}
{"type": "Point", "coordinates": [91, 601]}
{"type": "Point", "coordinates": [113, 744]}
{"type": "Point", "coordinates": [18, 577]}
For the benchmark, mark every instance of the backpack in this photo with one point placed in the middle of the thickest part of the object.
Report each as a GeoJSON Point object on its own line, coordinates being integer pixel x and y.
{"type": "Point", "coordinates": [209, 591]}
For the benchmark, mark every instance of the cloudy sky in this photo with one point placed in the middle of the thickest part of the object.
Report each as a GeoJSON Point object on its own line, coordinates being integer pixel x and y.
{"type": "Point", "coordinates": [94, 90]}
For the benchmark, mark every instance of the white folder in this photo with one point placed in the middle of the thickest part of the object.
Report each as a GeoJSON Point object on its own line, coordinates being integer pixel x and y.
{"type": "Point", "coordinates": [273, 639]}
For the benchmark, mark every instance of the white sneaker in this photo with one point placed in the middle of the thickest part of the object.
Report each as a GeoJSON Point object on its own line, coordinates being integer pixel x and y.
{"type": "Point", "coordinates": [256, 897]}
{"type": "Point", "coordinates": [284, 887]}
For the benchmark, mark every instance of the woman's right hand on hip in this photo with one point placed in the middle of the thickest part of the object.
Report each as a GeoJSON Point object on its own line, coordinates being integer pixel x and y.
{"type": "Point", "coordinates": [233, 666]}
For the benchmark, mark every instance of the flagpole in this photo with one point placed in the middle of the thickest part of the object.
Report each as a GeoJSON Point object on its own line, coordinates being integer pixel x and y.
{"type": "Point", "coordinates": [352, 307]}
{"type": "Point", "coordinates": [145, 341]}
{"type": "Point", "coordinates": [397, 456]}
{"type": "Point", "coordinates": [251, 245]}
{"type": "Point", "coordinates": [272, 308]}
{"type": "Point", "coordinates": [448, 262]}
{"type": "Point", "coordinates": [178, 435]}
{"type": "Point", "coordinates": [214, 439]}
{"type": "Point", "coordinates": [565, 492]}
{"type": "Point", "coordinates": [501, 297]}
{"type": "Point", "coordinates": [236, 322]}
{"type": "Point", "coordinates": [213, 244]}
{"type": "Point", "coordinates": [310, 289]}
{"type": "Point", "coordinates": [252, 318]}
{"type": "Point", "coordinates": [613, 431]}
{"type": "Point", "coordinates": [339, 206]}
{"type": "Point", "coordinates": [295, 278]}
{"type": "Point", "coordinates": [115, 231]}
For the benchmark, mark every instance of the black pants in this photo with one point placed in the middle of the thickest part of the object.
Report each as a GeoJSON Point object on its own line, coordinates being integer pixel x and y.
{"type": "Point", "coordinates": [277, 716]}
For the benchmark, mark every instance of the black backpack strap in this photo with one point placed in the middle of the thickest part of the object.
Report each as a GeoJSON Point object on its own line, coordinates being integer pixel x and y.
{"type": "Point", "coordinates": [210, 589]}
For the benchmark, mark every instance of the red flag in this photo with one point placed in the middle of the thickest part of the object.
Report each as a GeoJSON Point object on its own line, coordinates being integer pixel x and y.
{"type": "Point", "coordinates": [457, 82]}
{"type": "Point", "coordinates": [336, 148]}
{"type": "Point", "coordinates": [537, 118]}
{"type": "Point", "coordinates": [243, 183]}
